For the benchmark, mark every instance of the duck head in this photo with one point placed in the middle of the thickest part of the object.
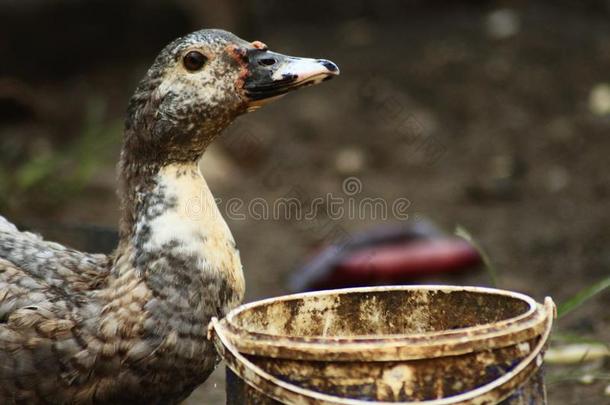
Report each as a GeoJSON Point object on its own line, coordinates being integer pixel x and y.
{"type": "Point", "coordinates": [199, 83]}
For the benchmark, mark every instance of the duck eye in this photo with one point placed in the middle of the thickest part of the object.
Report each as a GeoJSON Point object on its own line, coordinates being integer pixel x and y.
{"type": "Point", "coordinates": [194, 61]}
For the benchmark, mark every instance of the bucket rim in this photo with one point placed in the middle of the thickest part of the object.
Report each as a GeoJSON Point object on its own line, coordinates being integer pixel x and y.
{"type": "Point", "coordinates": [502, 333]}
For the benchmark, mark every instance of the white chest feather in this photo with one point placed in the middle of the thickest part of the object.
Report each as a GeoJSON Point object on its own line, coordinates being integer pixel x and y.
{"type": "Point", "coordinates": [188, 222]}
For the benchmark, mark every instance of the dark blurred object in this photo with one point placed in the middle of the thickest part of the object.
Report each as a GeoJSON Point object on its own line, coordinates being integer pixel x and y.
{"type": "Point", "coordinates": [54, 39]}
{"type": "Point", "coordinates": [84, 237]}
{"type": "Point", "coordinates": [386, 255]}
{"type": "Point", "coordinates": [18, 102]}
{"type": "Point", "coordinates": [500, 182]}
{"type": "Point", "coordinates": [42, 39]}
{"type": "Point", "coordinates": [226, 14]}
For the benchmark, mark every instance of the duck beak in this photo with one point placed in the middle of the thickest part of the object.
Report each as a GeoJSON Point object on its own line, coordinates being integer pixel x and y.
{"type": "Point", "coordinates": [272, 75]}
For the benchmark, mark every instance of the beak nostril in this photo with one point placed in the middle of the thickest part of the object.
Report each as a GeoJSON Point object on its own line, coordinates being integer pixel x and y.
{"type": "Point", "coordinates": [267, 61]}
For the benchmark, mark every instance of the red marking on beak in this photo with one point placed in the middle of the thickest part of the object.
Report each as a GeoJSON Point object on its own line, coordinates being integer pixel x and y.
{"type": "Point", "coordinates": [239, 54]}
{"type": "Point", "coordinates": [259, 45]}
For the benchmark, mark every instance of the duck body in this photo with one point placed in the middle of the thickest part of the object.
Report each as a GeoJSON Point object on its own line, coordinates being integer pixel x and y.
{"type": "Point", "coordinates": [131, 327]}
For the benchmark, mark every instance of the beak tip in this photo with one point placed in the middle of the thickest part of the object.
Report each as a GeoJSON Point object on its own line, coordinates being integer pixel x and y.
{"type": "Point", "coordinates": [330, 66]}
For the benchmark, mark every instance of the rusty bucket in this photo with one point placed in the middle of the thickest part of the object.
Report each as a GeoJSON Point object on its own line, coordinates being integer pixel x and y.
{"type": "Point", "coordinates": [435, 345]}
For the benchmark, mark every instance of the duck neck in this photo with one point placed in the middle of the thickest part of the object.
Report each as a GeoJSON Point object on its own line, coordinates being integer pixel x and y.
{"type": "Point", "coordinates": [174, 237]}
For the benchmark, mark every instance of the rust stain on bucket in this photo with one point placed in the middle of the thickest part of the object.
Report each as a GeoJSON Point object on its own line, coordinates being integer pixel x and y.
{"type": "Point", "coordinates": [436, 344]}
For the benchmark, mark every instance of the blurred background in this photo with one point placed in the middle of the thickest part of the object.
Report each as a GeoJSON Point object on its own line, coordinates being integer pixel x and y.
{"type": "Point", "coordinates": [492, 115]}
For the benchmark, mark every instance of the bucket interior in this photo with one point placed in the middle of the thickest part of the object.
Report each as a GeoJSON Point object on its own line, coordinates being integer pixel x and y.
{"type": "Point", "coordinates": [378, 312]}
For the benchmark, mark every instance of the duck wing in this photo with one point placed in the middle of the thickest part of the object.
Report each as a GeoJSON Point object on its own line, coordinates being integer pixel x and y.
{"type": "Point", "coordinates": [38, 339]}
{"type": "Point", "coordinates": [52, 263]}
{"type": "Point", "coordinates": [43, 300]}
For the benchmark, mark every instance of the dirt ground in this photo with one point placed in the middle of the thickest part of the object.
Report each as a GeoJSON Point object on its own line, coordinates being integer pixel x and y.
{"type": "Point", "coordinates": [492, 130]}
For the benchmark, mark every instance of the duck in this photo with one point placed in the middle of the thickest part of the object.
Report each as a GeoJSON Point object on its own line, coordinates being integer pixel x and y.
{"type": "Point", "coordinates": [131, 327]}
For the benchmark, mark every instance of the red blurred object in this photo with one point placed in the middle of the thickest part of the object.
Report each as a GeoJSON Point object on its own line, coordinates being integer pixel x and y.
{"type": "Point", "coordinates": [386, 255]}
{"type": "Point", "coordinates": [396, 263]}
